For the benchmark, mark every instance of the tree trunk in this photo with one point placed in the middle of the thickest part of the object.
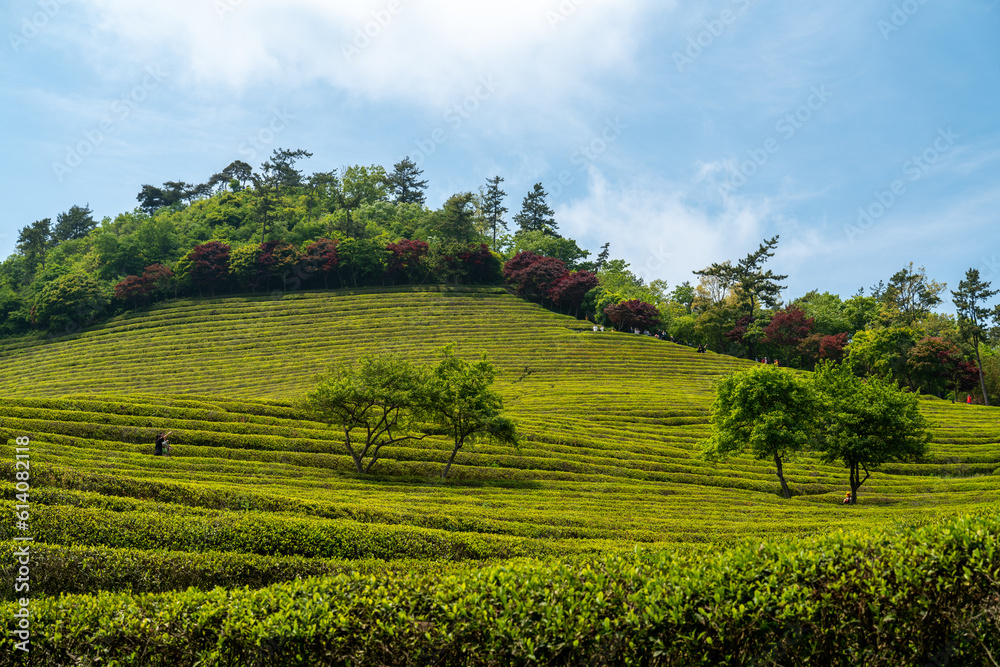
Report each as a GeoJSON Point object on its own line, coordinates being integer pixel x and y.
{"type": "Point", "coordinates": [781, 477]}
{"type": "Point", "coordinates": [856, 480]}
{"type": "Point", "coordinates": [451, 459]}
{"type": "Point", "coordinates": [982, 381]}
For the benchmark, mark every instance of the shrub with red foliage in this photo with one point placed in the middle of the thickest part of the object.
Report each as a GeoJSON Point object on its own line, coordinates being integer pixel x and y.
{"type": "Point", "coordinates": [321, 258]}
{"type": "Point", "coordinates": [569, 292]}
{"type": "Point", "coordinates": [158, 278]}
{"type": "Point", "coordinates": [936, 365]}
{"type": "Point", "coordinates": [132, 289]}
{"type": "Point", "coordinates": [533, 276]}
{"type": "Point", "coordinates": [277, 259]}
{"type": "Point", "coordinates": [209, 264]}
{"type": "Point", "coordinates": [817, 347]}
{"type": "Point", "coordinates": [633, 314]}
{"type": "Point", "coordinates": [408, 261]}
{"type": "Point", "coordinates": [481, 266]}
{"type": "Point", "coordinates": [788, 327]}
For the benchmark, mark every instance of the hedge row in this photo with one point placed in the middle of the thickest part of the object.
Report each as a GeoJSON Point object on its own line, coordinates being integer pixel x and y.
{"type": "Point", "coordinates": [926, 595]}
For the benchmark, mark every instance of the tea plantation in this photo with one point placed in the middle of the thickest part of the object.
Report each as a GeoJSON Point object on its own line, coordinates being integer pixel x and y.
{"type": "Point", "coordinates": [604, 538]}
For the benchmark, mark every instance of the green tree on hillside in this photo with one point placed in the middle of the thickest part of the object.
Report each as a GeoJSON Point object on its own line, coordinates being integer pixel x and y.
{"type": "Point", "coordinates": [909, 296]}
{"type": "Point", "coordinates": [536, 215]}
{"type": "Point", "coordinates": [375, 404]}
{"type": "Point", "coordinates": [972, 315]}
{"type": "Point", "coordinates": [459, 398]}
{"type": "Point", "coordinates": [75, 223]}
{"type": "Point", "coordinates": [456, 222]}
{"type": "Point", "coordinates": [34, 243]}
{"type": "Point", "coordinates": [867, 422]}
{"type": "Point", "coordinates": [492, 206]}
{"type": "Point", "coordinates": [769, 410]}
{"type": "Point", "coordinates": [69, 303]}
{"type": "Point", "coordinates": [405, 184]}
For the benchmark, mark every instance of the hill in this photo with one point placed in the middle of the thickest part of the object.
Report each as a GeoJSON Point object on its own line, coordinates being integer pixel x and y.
{"type": "Point", "coordinates": [259, 493]}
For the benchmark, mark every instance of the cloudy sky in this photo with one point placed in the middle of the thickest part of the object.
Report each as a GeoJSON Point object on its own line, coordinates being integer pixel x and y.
{"type": "Point", "coordinates": [866, 134]}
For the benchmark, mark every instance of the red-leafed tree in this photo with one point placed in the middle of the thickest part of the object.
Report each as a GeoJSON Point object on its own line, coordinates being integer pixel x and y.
{"type": "Point", "coordinates": [208, 265]}
{"type": "Point", "coordinates": [533, 276]}
{"type": "Point", "coordinates": [159, 280]}
{"type": "Point", "coordinates": [936, 365]}
{"type": "Point", "coordinates": [787, 329]}
{"type": "Point", "coordinates": [322, 259]}
{"type": "Point", "coordinates": [569, 292]}
{"type": "Point", "coordinates": [408, 262]}
{"type": "Point", "coordinates": [817, 347]}
{"type": "Point", "coordinates": [481, 266]}
{"type": "Point", "coordinates": [133, 290]}
{"type": "Point", "coordinates": [633, 314]}
{"type": "Point", "coordinates": [277, 259]}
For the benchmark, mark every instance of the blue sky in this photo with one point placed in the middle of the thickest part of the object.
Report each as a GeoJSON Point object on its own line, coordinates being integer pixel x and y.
{"type": "Point", "coordinates": [866, 134]}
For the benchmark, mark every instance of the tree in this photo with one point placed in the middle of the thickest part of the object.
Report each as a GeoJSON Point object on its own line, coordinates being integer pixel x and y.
{"type": "Point", "coordinates": [910, 295]}
{"type": "Point", "coordinates": [276, 260]}
{"type": "Point", "coordinates": [75, 223]}
{"type": "Point", "coordinates": [456, 222]}
{"type": "Point", "coordinates": [69, 303]}
{"type": "Point", "coordinates": [34, 242]}
{"type": "Point", "coordinates": [378, 399]}
{"type": "Point", "coordinates": [561, 248]}
{"type": "Point", "coordinates": [132, 289]}
{"type": "Point", "coordinates": [321, 256]}
{"type": "Point", "coordinates": [602, 257]}
{"type": "Point", "coordinates": [460, 400]}
{"type": "Point", "coordinates": [867, 422]}
{"type": "Point", "coordinates": [936, 365]}
{"type": "Point", "coordinates": [633, 314]}
{"type": "Point", "coordinates": [882, 352]}
{"type": "Point", "coordinates": [206, 265]}
{"type": "Point", "coordinates": [364, 185]}
{"type": "Point", "coordinates": [787, 329]}
{"type": "Point", "coordinates": [493, 208]}
{"type": "Point", "coordinates": [533, 276]}
{"type": "Point", "coordinates": [972, 315]}
{"type": "Point", "coordinates": [752, 284]}
{"type": "Point", "coordinates": [569, 292]}
{"type": "Point", "coordinates": [770, 410]}
{"type": "Point", "coordinates": [817, 347]}
{"type": "Point", "coordinates": [403, 182]}
{"type": "Point", "coordinates": [408, 262]}
{"type": "Point", "coordinates": [536, 215]}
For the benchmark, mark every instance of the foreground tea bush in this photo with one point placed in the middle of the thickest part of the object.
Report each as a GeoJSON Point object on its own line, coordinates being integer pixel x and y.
{"type": "Point", "coordinates": [907, 596]}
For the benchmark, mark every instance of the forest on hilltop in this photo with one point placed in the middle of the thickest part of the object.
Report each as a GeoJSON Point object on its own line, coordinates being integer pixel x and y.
{"type": "Point", "coordinates": [278, 229]}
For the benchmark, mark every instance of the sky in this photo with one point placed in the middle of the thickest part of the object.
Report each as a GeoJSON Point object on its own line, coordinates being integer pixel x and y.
{"type": "Point", "coordinates": [864, 134]}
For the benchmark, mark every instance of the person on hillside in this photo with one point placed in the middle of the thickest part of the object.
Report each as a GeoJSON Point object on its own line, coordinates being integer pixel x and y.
{"type": "Point", "coordinates": [162, 446]}
{"type": "Point", "coordinates": [968, 399]}
{"type": "Point", "coordinates": [847, 498]}
{"type": "Point", "coordinates": [701, 349]}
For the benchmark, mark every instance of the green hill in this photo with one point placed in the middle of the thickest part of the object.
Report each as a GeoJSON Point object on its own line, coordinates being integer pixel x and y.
{"type": "Point", "coordinates": [257, 493]}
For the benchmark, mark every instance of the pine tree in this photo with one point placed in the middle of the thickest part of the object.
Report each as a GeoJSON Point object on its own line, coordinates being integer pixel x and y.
{"type": "Point", "coordinates": [972, 314]}
{"type": "Point", "coordinates": [602, 258]}
{"type": "Point", "coordinates": [74, 224]}
{"type": "Point", "coordinates": [404, 184]}
{"type": "Point", "coordinates": [536, 215]}
{"type": "Point", "coordinates": [493, 207]}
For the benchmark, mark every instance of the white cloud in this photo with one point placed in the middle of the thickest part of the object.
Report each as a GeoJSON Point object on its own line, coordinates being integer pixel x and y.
{"type": "Point", "coordinates": [427, 53]}
{"type": "Point", "coordinates": [659, 231]}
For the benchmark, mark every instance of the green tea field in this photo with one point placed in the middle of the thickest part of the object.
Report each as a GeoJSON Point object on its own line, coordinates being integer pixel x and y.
{"type": "Point", "coordinates": [256, 542]}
